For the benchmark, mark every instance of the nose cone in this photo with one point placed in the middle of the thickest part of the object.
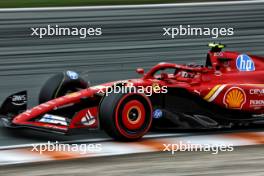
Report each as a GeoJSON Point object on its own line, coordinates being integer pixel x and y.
{"type": "Point", "coordinates": [20, 119]}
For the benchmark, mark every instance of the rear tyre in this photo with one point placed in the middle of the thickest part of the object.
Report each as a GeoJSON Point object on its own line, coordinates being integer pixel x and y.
{"type": "Point", "coordinates": [125, 117]}
{"type": "Point", "coordinates": [60, 85]}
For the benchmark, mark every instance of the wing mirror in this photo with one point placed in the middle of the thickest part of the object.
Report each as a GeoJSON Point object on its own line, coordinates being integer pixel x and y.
{"type": "Point", "coordinates": [164, 76]}
{"type": "Point", "coordinates": [140, 71]}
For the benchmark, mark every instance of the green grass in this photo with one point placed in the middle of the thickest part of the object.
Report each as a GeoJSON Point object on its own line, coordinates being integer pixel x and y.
{"type": "Point", "coordinates": [51, 3]}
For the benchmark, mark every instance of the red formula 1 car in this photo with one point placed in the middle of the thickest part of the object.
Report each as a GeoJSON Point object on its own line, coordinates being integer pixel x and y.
{"type": "Point", "coordinates": [226, 92]}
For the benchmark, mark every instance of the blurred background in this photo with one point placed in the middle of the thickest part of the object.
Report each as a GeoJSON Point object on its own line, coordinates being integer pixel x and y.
{"type": "Point", "coordinates": [132, 37]}
{"type": "Point", "coordinates": [59, 3]}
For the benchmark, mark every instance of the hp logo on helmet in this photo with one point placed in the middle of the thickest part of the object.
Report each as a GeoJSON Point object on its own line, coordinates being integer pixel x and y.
{"type": "Point", "coordinates": [245, 63]}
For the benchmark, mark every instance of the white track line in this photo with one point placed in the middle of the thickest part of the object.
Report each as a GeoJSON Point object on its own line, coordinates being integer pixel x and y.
{"type": "Point", "coordinates": [90, 140]}
{"type": "Point", "coordinates": [129, 6]}
{"type": "Point", "coordinates": [110, 148]}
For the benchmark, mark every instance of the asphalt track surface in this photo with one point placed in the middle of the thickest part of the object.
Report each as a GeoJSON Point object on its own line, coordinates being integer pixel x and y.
{"type": "Point", "coordinates": [132, 37]}
{"type": "Point", "coordinates": [243, 161]}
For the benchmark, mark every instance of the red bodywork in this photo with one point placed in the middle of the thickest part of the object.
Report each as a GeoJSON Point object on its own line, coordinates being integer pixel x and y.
{"type": "Point", "coordinates": [225, 81]}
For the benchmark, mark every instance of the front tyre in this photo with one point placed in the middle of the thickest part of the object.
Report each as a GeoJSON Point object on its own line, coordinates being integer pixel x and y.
{"type": "Point", "coordinates": [61, 84]}
{"type": "Point", "coordinates": [125, 117]}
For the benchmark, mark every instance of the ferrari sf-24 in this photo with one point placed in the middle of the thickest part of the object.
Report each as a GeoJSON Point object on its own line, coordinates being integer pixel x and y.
{"type": "Point", "coordinates": [226, 92]}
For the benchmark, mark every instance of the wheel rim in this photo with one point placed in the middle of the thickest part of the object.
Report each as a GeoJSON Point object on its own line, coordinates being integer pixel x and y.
{"type": "Point", "coordinates": [133, 115]}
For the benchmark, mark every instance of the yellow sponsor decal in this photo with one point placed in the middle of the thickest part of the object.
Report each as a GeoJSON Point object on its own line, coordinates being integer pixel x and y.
{"type": "Point", "coordinates": [75, 94]}
{"type": "Point", "coordinates": [213, 90]}
{"type": "Point", "coordinates": [155, 87]}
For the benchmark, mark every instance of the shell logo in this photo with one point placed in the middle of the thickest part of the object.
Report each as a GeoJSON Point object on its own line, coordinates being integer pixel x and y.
{"type": "Point", "coordinates": [235, 98]}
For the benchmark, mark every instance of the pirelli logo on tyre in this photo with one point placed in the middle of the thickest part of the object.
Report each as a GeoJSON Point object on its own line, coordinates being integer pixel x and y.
{"type": "Point", "coordinates": [234, 98]}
